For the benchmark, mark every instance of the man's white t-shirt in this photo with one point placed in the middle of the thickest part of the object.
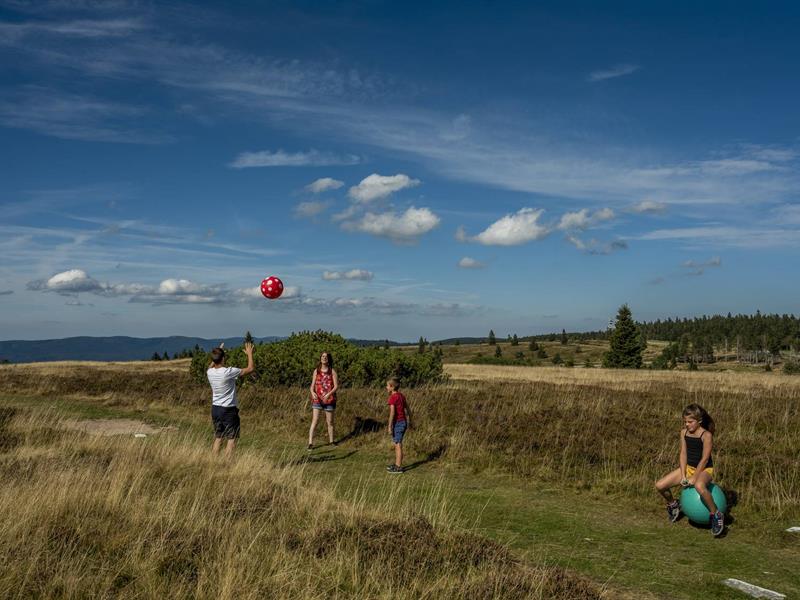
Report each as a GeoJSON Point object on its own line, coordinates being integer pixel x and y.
{"type": "Point", "coordinates": [223, 385]}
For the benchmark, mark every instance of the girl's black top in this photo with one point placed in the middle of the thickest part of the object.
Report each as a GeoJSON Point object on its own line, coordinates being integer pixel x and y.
{"type": "Point", "coordinates": [694, 451]}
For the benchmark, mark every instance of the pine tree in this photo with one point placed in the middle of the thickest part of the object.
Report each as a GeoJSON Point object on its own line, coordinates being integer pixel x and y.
{"type": "Point", "coordinates": [166, 356]}
{"type": "Point", "coordinates": [515, 340]}
{"type": "Point", "coordinates": [497, 352]}
{"type": "Point", "coordinates": [248, 339]}
{"type": "Point", "coordinates": [533, 346]}
{"type": "Point", "coordinates": [421, 345]}
{"type": "Point", "coordinates": [491, 340]}
{"type": "Point", "coordinates": [156, 356]}
{"type": "Point", "coordinates": [386, 345]}
{"type": "Point", "coordinates": [626, 343]}
{"type": "Point", "coordinates": [557, 360]}
{"type": "Point", "coordinates": [457, 343]}
{"type": "Point", "coordinates": [564, 338]}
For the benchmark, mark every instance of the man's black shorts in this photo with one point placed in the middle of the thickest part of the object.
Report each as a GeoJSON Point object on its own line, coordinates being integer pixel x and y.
{"type": "Point", "coordinates": [226, 421]}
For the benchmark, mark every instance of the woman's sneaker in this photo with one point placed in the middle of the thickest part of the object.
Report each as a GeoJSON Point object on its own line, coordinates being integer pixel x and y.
{"type": "Point", "coordinates": [717, 523]}
{"type": "Point", "coordinates": [674, 511]}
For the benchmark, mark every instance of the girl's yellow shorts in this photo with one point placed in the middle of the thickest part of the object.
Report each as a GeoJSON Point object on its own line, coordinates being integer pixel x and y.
{"type": "Point", "coordinates": [691, 471]}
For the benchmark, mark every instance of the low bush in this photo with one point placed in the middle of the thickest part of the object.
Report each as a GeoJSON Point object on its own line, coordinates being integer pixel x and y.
{"type": "Point", "coordinates": [290, 362]}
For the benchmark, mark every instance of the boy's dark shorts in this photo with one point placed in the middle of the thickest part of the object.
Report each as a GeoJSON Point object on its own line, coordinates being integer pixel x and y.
{"type": "Point", "coordinates": [226, 422]}
{"type": "Point", "coordinates": [398, 431]}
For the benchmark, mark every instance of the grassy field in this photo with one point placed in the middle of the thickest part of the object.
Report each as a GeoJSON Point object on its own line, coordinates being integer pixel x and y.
{"type": "Point", "coordinates": [524, 482]}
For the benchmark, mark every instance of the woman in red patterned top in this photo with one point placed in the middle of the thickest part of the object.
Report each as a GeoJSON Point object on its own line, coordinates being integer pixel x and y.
{"type": "Point", "coordinates": [324, 384]}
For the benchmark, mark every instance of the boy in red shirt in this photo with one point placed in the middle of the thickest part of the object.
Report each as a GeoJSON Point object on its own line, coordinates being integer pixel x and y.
{"type": "Point", "coordinates": [399, 421]}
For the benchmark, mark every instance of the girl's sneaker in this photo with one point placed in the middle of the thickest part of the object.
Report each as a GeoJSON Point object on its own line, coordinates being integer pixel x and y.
{"type": "Point", "coordinates": [674, 511]}
{"type": "Point", "coordinates": [717, 523]}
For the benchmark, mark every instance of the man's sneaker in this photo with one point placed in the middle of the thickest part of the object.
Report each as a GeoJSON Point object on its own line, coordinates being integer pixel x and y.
{"type": "Point", "coordinates": [674, 511]}
{"type": "Point", "coordinates": [394, 469]}
{"type": "Point", "coordinates": [717, 523]}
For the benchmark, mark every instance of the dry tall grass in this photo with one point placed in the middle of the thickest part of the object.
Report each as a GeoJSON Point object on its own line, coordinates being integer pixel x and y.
{"type": "Point", "coordinates": [100, 517]}
{"type": "Point", "coordinates": [610, 431]}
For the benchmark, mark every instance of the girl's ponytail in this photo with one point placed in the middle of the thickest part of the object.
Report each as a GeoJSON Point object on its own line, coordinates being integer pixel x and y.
{"type": "Point", "coordinates": [699, 413]}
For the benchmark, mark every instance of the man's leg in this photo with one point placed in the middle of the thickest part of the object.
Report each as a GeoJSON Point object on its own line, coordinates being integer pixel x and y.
{"type": "Point", "coordinates": [229, 447]}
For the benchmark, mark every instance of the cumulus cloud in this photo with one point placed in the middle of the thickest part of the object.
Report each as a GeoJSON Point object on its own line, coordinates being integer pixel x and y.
{"type": "Point", "coordinates": [403, 227]}
{"type": "Point", "coordinates": [323, 184]}
{"type": "Point", "coordinates": [470, 263]}
{"type": "Point", "coordinates": [582, 219]}
{"type": "Point", "coordinates": [376, 186]}
{"type": "Point", "coordinates": [311, 208]}
{"type": "Point", "coordinates": [280, 158]}
{"type": "Point", "coordinates": [72, 281]}
{"type": "Point", "coordinates": [169, 291]}
{"type": "Point", "coordinates": [612, 72]}
{"type": "Point", "coordinates": [351, 275]}
{"type": "Point", "coordinates": [648, 207]}
{"type": "Point", "coordinates": [512, 230]}
{"type": "Point", "coordinates": [696, 268]}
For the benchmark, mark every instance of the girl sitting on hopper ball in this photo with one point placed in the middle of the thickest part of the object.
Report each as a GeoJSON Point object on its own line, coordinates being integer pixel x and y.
{"type": "Point", "coordinates": [696, 466]}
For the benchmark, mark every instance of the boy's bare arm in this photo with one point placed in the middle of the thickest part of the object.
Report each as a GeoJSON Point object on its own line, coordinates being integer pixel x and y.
{"type": "Point", "coordinates": [391, 419]}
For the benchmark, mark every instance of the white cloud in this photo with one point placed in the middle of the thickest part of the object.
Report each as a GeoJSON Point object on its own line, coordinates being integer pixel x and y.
{"type": "Point", "coordinates": [280, 158]}
{"type": "Point", "coordinates": [73, 281]}
{"type": "Point", "coordinates": [402, 228]}
{"type": "Point", "coordinates": [377, 186]}
{"type": "Point", "coordinates": [311, 209]}
{"type": "Point", "coordinates": [351, 275]}
{"type": "Point", "coordinates": [512, 230]}
{"type": "Point", "coordinates": [612, 72]}
{"type": "Point", "coordinates": [722, 235]}
{"type": "Point", "coordinates": [581, 219]}
{"type": "Point", "coordinates": [648, 207]}
{"type": "Point", "coordinates": [459, 129]}
{"type": "Point", "coordinates": [470, 263]}
{"type": "Point", "coordinates": [75, 117]}
{"type": "Point", "coordinates": [324, 184]}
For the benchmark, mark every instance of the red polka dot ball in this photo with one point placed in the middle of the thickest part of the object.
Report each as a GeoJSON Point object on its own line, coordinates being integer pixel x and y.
{"type": "Point", "coordinates": [272, 287]}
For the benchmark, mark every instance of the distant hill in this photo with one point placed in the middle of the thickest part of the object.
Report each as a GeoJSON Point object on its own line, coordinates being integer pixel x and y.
{"type": "Point", "coordinates": [122, 347]}
{"type": "Point", "coordinates": [107, 348]}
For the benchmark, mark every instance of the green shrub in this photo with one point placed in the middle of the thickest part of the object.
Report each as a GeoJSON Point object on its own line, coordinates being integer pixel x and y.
{"type": "Point", "coordinates": [290, 362]}
{"type": "Point", "coordinates": [791, 367]}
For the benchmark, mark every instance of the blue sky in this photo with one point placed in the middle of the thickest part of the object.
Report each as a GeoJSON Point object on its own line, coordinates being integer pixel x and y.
{"type": "Point", "coordinates": [406, 168]}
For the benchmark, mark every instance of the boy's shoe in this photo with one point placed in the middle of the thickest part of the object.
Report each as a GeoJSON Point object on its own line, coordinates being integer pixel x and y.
{"type": "Point", "coordinates": [310, 447]}
{"type": "Point", "coordinates": [674, 511]}
{"type": "Point", "coordinates": [394, 469]}
{"type": "Point", "coordinates": [334, 444]}
{"type": "Point", "coordinates": [717, 523]}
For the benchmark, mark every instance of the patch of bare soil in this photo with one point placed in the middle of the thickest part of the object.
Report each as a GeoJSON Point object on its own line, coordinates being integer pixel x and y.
{"type": "Point", "coordinates": [111, 426]}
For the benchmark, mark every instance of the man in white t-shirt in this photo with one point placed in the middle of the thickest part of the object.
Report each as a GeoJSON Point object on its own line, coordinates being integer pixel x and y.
{"type": "Point", "coordinates": [224, 411]}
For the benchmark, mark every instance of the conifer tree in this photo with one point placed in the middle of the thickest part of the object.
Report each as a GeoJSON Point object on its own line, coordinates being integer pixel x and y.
{"type": "Point", "coordinates": [564, 338]}
{"type": "Point", "coordinates": [156, 356]}
{"type": "Point", "coordinates": [491, 340]}
{"type": "Point", "coordinates": [421, 345]}
{"type": "Point", "coordinates": [248, 338]}
{"type": "Point", "coordinates": [515, 340]}
{"type": "Point", "coordinates": [626, 343]}
{"type": "Point", "coordinates": [533, 346]}
{"type": "Point", "coordinates": [498, 352]}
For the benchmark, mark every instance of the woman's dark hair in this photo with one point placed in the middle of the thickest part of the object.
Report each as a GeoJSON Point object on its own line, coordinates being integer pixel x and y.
{"type": "Point", "coordinates": [699, 414]}
{"type": "Point", "coordinates": [330, 362]}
